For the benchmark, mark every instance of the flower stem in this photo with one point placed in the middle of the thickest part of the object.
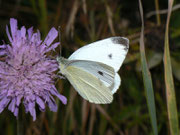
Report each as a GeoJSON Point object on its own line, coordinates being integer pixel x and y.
{"type": "Point", "coordinates": [20, 125]}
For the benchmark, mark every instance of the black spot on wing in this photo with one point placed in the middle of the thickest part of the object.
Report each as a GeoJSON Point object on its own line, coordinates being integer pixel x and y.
{"type": "Point", "coordinates": [101, 73]}
{"type": "Point", "coordinates": [121, 40]}
{"type": "Point", "coordinates": [110, 55]}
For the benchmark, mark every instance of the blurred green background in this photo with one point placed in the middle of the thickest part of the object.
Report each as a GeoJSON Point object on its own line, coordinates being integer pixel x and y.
{"type": "Point", "coordinates": [85, 21]}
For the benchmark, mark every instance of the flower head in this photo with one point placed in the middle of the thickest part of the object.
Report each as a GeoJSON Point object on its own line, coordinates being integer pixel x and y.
{"type": "Point", "coordinates": [26, 72]}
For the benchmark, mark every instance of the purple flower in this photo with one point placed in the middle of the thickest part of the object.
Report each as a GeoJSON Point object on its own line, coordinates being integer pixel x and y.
{"type": "Point", "coordinates": [26, 72]}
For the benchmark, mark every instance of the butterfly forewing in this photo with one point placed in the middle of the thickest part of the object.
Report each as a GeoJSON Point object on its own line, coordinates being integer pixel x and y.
{"type": "Point", "coordinates": [111, 51]}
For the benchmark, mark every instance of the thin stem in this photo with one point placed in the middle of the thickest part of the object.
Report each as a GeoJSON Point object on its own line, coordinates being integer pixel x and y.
{"type": "Point", "coordinates": [157, 14]}
{"type": "Point", "coordinates": [20, 126]}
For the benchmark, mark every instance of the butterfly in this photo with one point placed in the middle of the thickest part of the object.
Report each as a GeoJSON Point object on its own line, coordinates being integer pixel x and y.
{"type": "Point", "coordinates": [92, 69]}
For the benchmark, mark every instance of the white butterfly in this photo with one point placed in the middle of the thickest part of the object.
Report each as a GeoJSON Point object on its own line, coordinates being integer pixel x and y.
{"type": "Point", "coordinates": [92, 69]}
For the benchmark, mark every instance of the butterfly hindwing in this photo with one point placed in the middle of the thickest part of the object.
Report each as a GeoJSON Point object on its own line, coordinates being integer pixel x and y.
{"type": "Point", "coordinates": [116, 84]}
{"type": "Point", "coordinates": [88, 86]}
{"type": "Point", "coordinates": [101, 71]}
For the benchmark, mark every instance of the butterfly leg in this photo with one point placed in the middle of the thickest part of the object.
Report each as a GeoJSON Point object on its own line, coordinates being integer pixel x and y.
{"type": "Point", "coordinates": [60, 77]}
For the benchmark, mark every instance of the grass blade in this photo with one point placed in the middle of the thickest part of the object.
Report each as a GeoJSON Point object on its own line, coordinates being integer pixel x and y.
{"type": "Point", "coordinates": [147, 78]}
{"type": "Point", "coordinates": [43, 16]}
{"type": "Point", "coordinates": [170, 93]}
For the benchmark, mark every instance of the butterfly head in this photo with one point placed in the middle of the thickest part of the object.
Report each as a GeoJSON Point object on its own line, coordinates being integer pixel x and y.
{"type": "Point", "coordinates": [62, 64]}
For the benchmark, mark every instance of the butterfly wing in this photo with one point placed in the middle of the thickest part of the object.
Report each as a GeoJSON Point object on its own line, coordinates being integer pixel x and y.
{"type": "Point", "coordinates": [93, 80]}
{"type": "Point", "coordinates": [89, 86]}
{"type": "Point", "coordinates": [116, 84]}
{"type": "Point", "coordinates": [111, 51]}
{"type": "Point", "coordinates": [102, 71]}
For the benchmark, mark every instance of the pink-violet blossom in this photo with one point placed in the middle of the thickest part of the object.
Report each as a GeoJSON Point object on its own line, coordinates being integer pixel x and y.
{"type": "Point", "coordinates": [26, 72]}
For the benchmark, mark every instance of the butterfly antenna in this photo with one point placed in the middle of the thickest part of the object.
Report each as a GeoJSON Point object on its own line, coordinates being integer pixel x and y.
{"type": "Point", "coordinates": [59, 27]}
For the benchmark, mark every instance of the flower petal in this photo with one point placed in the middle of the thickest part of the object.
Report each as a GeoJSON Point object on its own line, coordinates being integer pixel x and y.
{"type": "Point", "coordinates": [12, 105]}
{"type": "Point", "coordinates": [61, 97]}
{"type": "Point", "coordinates": [40, 102]}
{"type": "Point", "coordinates": [8, 34]}
{"type": "Point", "coordinates": [3, 103]}
{"type": "Point", "coordinates": [23, 32]}
{"type": "Point", "coordinates": [30, 32]}
{"type": "Point", "coordinates": [13, 25]}
{"type": "Point", "coordinates": [51, 36]}
{"type": "Point", "coordinates": [16, 110]}
{"type": "Point", "coordinates": [32, 110]}
{"type": "Point", "coordinates": [52, 47]}
{"type": "Point", "coordinates": [18, 100]}
{"type": "Point", "coordinates": [52, 105]}
{"type": "Point", "coordinates": [3, 52]}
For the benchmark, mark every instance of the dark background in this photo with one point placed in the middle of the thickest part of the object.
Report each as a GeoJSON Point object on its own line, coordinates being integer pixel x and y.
{"type": "Point", "coordinates": [85, 21]}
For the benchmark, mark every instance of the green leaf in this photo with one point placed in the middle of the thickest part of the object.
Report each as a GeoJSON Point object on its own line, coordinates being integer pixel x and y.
{"type": "Point", "coordinates": [147, 78]}
{"type": "Point", "coordinates": [170, 92]}
{"type": "Point", "coordinates": [153, 59]}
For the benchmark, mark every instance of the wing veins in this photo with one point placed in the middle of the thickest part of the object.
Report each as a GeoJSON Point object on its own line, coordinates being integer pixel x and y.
{"type": "Point", "coordinates": [105, 98]}
{"type": "Point", "coordinates": [107, 71]}
{"type": "Point", "coordinates": [94, 88]}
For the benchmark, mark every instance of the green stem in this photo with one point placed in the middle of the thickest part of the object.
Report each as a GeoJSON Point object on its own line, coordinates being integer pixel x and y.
{"type": "Point", "coordinates": [20, 126]}
{"type": "Point", "coordinates": [157, 10]}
